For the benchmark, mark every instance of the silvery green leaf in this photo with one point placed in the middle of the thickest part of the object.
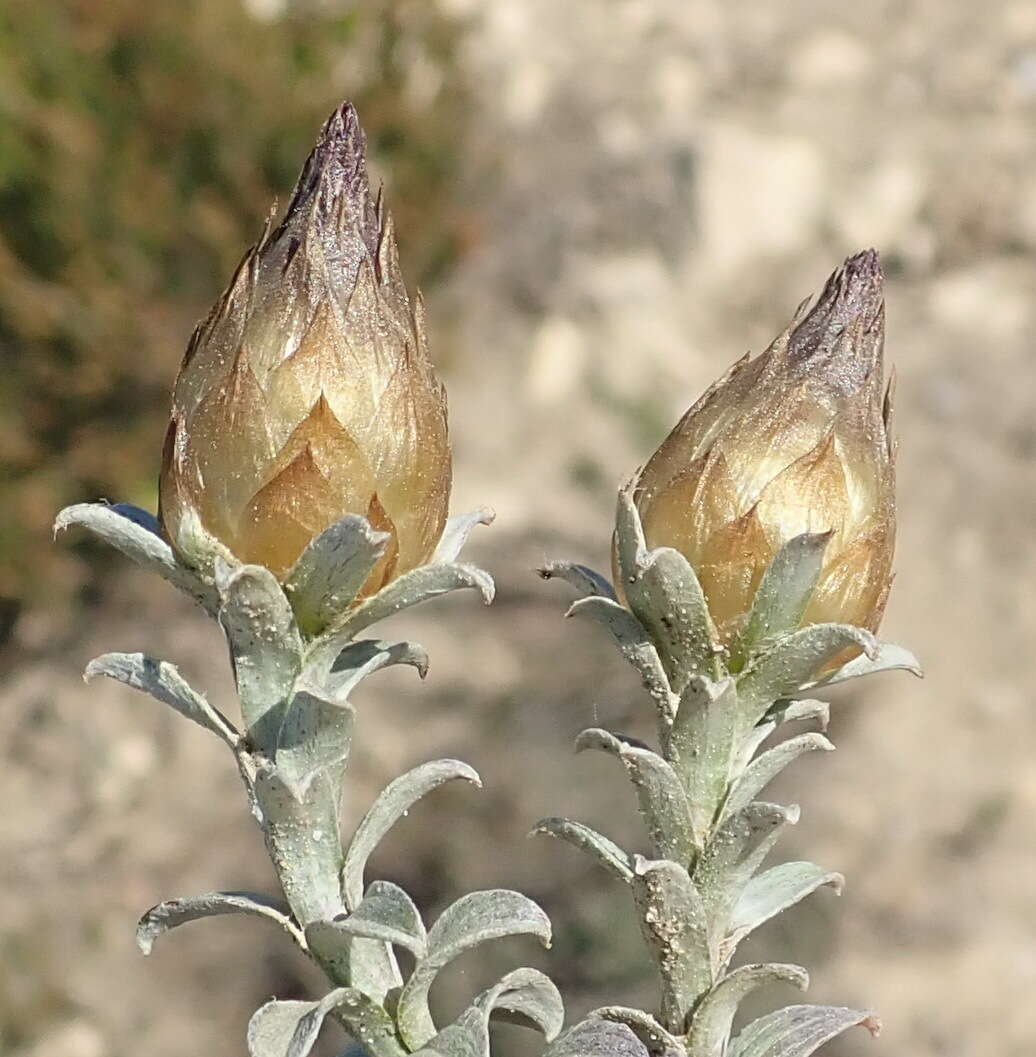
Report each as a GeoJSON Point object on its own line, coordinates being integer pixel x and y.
{"type": "Point", "coordinates": [472, 920]}
{"type": "Point", "coordinates": [387, 913]}
{"type": "Point", "coordinates": [368, 964]}
{"type": "Point", "coordinates": [887, 657]}
{"type": "Point", "coordinates": [801, 710]}
{"type": "Point", "coordinates": [525, 996]}
{"type": "Point", "coordinates": [358, 655]}
{"type": "Point", "coordinates": [751, 742]}
{"type": "Point", "coordinates": [605, 851]}
{"type": "Point", "coordinates": [331, 570]}
{"type": "Point", "coordinates": [733, 855]}
{"type": "Point", "coordinates": [455, 534]}
{"type": "Point", "coordinates": [391, 805]}
{"type": "Point", "coordinates": [774, 890]}
{"type": "Point", "coordinates": [418, 585]}
{"type": "Point", "coordinates": [635, 645]}
{"type": "Point", "coordinates": [315, 737]}
{"type": "Point", "coordinates": [674, 925]}
{"type": "Point", "coordinates": [701, 746]}
{"type": "Point", "coordinates": [668, 600]}
{"type": "Point", "coordinates": [175, 912]}
{"type": "Point", "coordinates": [163, 682]}
{"type": "Point", "coordinates": [659, 1042]}
{"type": "Point", "coordinates": [467, 1036]}
{"type": "Point", "coordinates": [798, 1031]}
{"type": "Point", "coordinates": [791, 665]}
{"type": "Point", "coordinates": [760, 772]}
{"type": "Point", "coordinates": [713, 1019]}
{"type": "Point", "coordinates": [584, 579]}
{"type": "Point", "coordinates": [783, 593]}
{"type": "Point", "coordinates": [265, 646]}
{"type": "Point", "coordinates": [597, 1038]}
{"type": "Point", "coordinates": [351, 665]}
{"type": "Point", "coordinates": [663, 802]}
{"type": "Point", "coordinates": [306, 838]}
{"type": "Point", "coordinates": [136, 534]}
{"type": "Point", "coordinates": [630, 546]}
{"type": "Point", "coordinates": [290, 1029]}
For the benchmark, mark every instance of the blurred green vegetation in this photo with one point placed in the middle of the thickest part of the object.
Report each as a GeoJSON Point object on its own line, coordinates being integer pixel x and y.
{"type": "Point", "coordinates": [141, 146]}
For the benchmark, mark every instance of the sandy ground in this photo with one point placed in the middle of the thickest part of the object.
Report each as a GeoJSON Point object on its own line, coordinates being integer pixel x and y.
{"type": "Point", "coordinates": [670, 179]}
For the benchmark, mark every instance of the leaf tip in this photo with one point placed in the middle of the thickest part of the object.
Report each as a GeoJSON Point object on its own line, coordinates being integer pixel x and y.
{"type": "Point", "coordinates": [872, 1022]}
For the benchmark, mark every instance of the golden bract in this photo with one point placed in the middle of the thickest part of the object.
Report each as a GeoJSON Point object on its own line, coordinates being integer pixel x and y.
{"type": "Point", "coordinates": [795, 440]}
{"type": "Point", "coordinates": [308, 393]}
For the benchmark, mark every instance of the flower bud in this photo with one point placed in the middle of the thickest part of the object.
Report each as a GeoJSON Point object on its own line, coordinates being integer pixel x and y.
{"type": "Point", "coordinates": [793, 441]}
{"type": "Point", "coordinates": [308, 392]}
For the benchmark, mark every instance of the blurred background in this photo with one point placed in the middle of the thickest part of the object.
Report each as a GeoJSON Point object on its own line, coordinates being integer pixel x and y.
{"type": "Point", "coordinates": [605, 204]}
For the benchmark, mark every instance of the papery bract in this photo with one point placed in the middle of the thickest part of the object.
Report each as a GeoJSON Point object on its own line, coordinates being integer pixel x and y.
{"type": "Point", "coordinates": [308, 392]}
{"type": "Point", "coordinates": [796, 440]}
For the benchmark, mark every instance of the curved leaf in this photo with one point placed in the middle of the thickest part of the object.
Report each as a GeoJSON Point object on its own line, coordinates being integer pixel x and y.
{"type": "Point", "coordinates": [597, 1038]}
{"type": "Point", "coordinates": [584, 579]}
{"type": "Point", "coordinates": [306, 837]}
{"type": "Point", "coordinates": [635, 645]}
{"type": "Point", "coordinates": [458, 529]}
{"type": "Point", "coordinates": [659, 1042]}
{"type": "Point", "coordinates": [136, 534]}
{"type": "Point", "coordinates": [331, 570]}
{"type": "Point", "coordinates": [472, 920]}
{"type": "Point", "coordinates": [526, 996]}
{"type": "Point", "coordinates": [605, 851]}
{"type": "Point", "coordinates": [410, 589]}
{"type": "Point", "coordinates": [265, 646]}
{"type": "Point", "coordinates": [391, 805]}
{"type": "Point", "coordinates": [887, 657]}
{"type": "Point", "coordinates": [784, 592]}
{"type": "Point", "coordinates": [337, 669]}
{"type": "Point", "coordinates": [801, 710]}
{"type": "Point", "coordinates": [314, 738]}
{"type": "Point", "coordinates": [674, 924]}
{"type": "Point", "coordinates": [798, 1031]}
{"type": "Point", "coordinates": [630, 545]}
{"type": "Point", "coordinates": [701, 746]}
{"type": "Point", "coordinates": [760, 772]}
{"type": "Point", "coordinates": [663, 802]}
{"type": "Point", "coordinates": [776, 889]}
{"type": "Point", "coordinates": [163, 682]}
{"type": "Point", "coordinates": [175, 912]}
{"type": "Point", "coordinates": [290, 1029]}
{"type": "Point", "coordinates": [369, 965]}
{"type": "Point", "coordinates": [792, 664]}
{"type": "Point", "coordinates": [668, 600]}
{"type": "Point", "coordinates": [467, 1036]}
{"type": "Point", "coordinates": [734, 854]}
{"type": "Point", "coordinates": [387, 913]}
{"type": "Point", "coordinates": [710, 1028]}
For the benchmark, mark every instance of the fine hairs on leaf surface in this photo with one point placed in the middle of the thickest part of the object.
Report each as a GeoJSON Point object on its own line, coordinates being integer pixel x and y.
{"type": "Point", "coordinates": [296, 663]}
{"type": "Point", "coordinates": [297, 524]}
{"type": "Point", "coordinates": [715, 707]}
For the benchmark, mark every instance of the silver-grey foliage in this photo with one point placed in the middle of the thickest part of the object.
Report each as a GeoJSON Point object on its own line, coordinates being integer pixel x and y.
{"type": "Point", "coordinates": [297, 659]}
{"type": "Point", "coordinates": [704, 890]}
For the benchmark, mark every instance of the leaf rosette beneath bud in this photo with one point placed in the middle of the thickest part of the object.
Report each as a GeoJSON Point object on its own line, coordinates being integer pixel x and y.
{"type": "Point", "coordinates": [308, 392]}
{"type": "Point", "coordinates": [794, 441]}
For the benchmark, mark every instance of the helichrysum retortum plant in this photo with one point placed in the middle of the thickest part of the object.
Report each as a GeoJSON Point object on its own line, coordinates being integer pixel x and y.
{"type": "Point", "coordinates": [304, 494]}
{"type": "Point", "coordinates": [752, 559]}
{"type": "Point", "coordinates": [303, 497]}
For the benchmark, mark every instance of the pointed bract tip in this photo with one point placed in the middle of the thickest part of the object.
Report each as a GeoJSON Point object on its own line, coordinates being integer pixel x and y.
{"type": "Point", "coordinates": [343, 137]}
{"type": "Point", "coordinates": [333, 191]}
{"type": "Point", "coordinates": [841, 337]}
